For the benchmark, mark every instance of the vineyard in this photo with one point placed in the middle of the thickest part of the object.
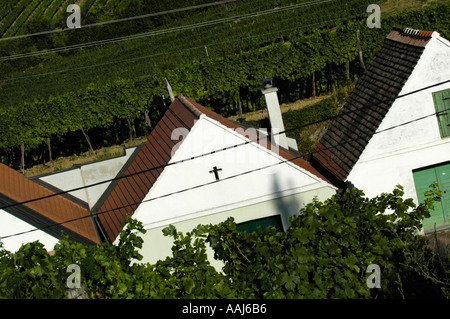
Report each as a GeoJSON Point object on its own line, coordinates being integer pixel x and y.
{"type": "Point", "coordinates": [16, 14]}
{"type": "Point", "coordinates": [67, 102]}
{"type": "Point", "coordinates": [39, 76]}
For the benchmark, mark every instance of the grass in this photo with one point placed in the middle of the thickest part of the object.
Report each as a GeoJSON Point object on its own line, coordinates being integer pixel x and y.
{"type": "Point", "coordinates": [390, 7]}
{"type": "Point", "coordinates": [132, 59]}
{"type": "Point", "coordinates": [262, 114]}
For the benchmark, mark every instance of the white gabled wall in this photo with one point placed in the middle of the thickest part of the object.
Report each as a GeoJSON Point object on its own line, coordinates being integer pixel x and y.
{"type": "Point", "coordinates": [89, 174]}
{"type": "Point", "coordinates": [11, 225]}
{"type": "Point", "coordinates": [237, 187]}
{"type": "Point", "coordinates": [280, 190]}
{"type": "Point", "coordinates": [391, 155]}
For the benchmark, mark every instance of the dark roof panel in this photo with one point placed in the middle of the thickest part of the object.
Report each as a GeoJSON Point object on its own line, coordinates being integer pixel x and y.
{"type": "Point", "coordinates": [340, 148]}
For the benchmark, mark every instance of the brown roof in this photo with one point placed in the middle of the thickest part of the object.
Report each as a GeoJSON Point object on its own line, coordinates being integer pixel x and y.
{"type": "Point", "coordinates": [340, 148]}
{"type": "Point", "coordinates": [124, 196]}
{"type": "Point", "coordinates": [16, 188]}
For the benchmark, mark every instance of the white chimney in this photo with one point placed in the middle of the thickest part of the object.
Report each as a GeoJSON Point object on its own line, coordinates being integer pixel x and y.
{"type": "Point", "coordinates": [273, 109]}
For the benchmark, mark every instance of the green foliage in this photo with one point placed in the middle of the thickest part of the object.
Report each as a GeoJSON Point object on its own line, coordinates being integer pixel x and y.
{"type": "Point", "coordinates": [323, 254]}
{"type": "Point", "coordinates": [327, 249]}
{"type": "Point", "coordinates": [114, 98]}
{"type": "Point", "coordinates": [29, 273]}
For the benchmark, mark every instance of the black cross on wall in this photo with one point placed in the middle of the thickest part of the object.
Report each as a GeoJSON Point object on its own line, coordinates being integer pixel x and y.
{"type": "Point", "coordinates": [216, 172]}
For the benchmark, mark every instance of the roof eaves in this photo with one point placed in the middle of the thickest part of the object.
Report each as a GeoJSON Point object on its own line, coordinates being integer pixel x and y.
{"type": "Point", "coordinates": [144, 168]}
{"type": "Point", "coordinates": [41, 222]}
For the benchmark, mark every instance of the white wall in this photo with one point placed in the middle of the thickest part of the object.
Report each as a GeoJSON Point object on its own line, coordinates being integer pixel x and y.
{"type": "Point", "coordinates": [390, 156]}
{"type": "Point", "coordinates": [157, 247]}
{"type": "Point", "coordinates": [282, 189]}
{"type": "Point", "coordinates": [11, 225]}
{"type": "Point", "coordinates": [237, 187]}
{"type": "Point", "coordinates": [88, 174]}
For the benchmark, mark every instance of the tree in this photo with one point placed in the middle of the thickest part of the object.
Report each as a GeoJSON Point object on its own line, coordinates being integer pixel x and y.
{"type": "Point", "coordinates": [124, 104]}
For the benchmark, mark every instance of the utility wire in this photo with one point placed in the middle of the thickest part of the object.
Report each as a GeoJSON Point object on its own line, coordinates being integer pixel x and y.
{"type": "Point", "coordinates": [162, 196]}
{"type": "Point", "coordinates": [154, 14]}
{"type": "Point", "coordinates": [209, 183]}
{"type": "Point", "coordinates": [165, 31]}
{"type": "Point", "coordinates": [163, 53]}
{"type": "Point", "coordinates": [232, 147]}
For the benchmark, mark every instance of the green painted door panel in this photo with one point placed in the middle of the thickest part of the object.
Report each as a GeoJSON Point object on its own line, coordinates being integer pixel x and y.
{"type": "Point", "coordinates": [443, 177]}
{"type": "Point", "coordinates": [252, 225]}
{"type": "Point", "coordinates": [422, 180]}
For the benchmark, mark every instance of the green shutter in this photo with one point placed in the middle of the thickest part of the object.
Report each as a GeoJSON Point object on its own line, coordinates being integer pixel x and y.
{"type": "Point", "coordinates": [442, 105]}
{"type": "Point", "coordinates": [440, 216]}
{"type": "Point", "coordinates": [252, 225]}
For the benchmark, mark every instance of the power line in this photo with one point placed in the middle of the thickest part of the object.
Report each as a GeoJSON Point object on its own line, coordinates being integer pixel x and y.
{"type": "Point", "coordinates": [163, 53]}
{"type": "Point", "coordinates": [154, 14]}
{"type": "Point", "coordinates": [155, 198]}
{"type": "Point", "coordinates": [225, 148]}
{"type": "Point", "coordinates": [446, 44]}
{"type": "Point", "coordinates": [165, 31]}
{"type": "Point", "coordinates": [219, 150]}
{"type": "Point", "coordinates": [210, 183]}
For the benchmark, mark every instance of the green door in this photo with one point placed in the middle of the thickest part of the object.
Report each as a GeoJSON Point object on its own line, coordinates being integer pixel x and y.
{"type": "Point", "coordinates": [440, 216]}
{"type": "Point", "coordinates": [252, 225]}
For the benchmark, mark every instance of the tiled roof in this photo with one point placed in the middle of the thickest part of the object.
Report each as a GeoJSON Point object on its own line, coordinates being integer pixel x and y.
{"type": "Point", "coordinates": [341, 146]}
{"type": "Point", "coordinates": [16, 188]}
{"type": "Point", "coordinates": [124, 196]}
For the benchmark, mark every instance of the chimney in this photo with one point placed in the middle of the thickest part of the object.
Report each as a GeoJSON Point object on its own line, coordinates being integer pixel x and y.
{"type": "Point", "coordinates": [273, 109]}
{"type": "Point", "coordinates": [169, 88]}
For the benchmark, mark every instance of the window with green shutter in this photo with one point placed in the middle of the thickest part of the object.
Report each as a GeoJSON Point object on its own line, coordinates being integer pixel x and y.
{"type": "Point", "coordinates": [441, 101]}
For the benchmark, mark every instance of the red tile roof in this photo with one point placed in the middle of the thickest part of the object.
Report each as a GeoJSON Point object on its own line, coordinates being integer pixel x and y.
{"type": "Point", "coordinates": [124, 196]}
{"type": "Point", "coordinates": [410, 36]}
{"type": "Point", "coordinates": [16, 188]}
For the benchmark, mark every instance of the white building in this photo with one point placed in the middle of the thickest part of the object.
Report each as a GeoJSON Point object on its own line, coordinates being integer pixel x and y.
{"type": "Point", "coordinates": [86, 182]}
{"type": "Point", "coordinates": [30, 212]}
{"type": "Point", "coordinates": [395, 125]}
{"type": "Point", "coordinates": [195, 168]}
{"type": "Point", "coordinates": [200, 168]}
